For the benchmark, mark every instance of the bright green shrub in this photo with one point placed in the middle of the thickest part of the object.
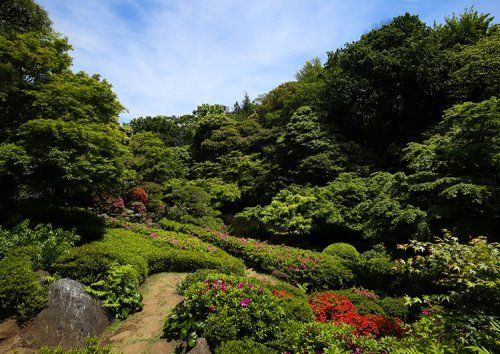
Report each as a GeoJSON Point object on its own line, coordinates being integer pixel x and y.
{"type": "Point", "coordinates": [119, 291]}
{"type": "Point", "coordinates": [170, 225]}
{"type": "Point", "coordinates": [342, 250]}
{"type": "Point", "coordinates": [147, 254]}
{"type": "Point", "coordinates": [466, 275]}
{"type": "Point", "coordinates": [195, 277]}
{"type": "Point", "coordinates": [20, 293]}
{"type": "Point", "coordinates": [224, 307]}
{"type": "Point", "coordinates": [89, 263]}
{"type": "Point", "coordinates": [317, 270]}
{"type": "Point", "coordinates": [246, 346]}
{"type": "Point", "coordinates": [50, 242]}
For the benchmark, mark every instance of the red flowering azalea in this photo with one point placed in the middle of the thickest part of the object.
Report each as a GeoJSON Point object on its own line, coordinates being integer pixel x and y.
{"type": "Point", "coordinates": [138, 194]}
{"type": "Point", "coordinates": [338, 309]}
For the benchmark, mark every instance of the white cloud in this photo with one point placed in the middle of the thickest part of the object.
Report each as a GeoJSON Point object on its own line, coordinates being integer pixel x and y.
{"type": "Point", "coordinates": [166, 57]}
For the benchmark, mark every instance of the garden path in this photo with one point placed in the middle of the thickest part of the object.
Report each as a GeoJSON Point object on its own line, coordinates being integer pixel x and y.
{"type": "Point", "coordinates": [141, 332]}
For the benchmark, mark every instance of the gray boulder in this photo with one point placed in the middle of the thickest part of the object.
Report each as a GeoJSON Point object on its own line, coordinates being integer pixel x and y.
{"type": "Point", "coordinates": [201, 347]}
{"type": "Point", "coordinates": [70, 317]}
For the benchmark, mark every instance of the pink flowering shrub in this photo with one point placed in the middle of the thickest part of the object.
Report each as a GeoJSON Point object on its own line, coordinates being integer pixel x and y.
{"type": "Point", "coordinates": [318, 270]}
{"type": "Point", "coordinates": [107, 203]}
{"type": "Point", "coordinates": [224, 307]}
{"type": "Point", "coordinates": [177, 240]}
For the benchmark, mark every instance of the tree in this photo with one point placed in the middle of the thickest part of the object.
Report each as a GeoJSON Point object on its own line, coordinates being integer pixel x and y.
{"type": "Point", "coordinates": [458, 166]}
{"type": "Point", "coordinates": [206, 109]}
{"type": "Point", "coordinates": [466, 29]}
{"type": "Point", "coordinates": [476, 70]}
{"type": "Point", "coordinates": [28, 60]}
{"type": "Point", "coordinates": [388, 86]}
{"type": "Point", "coordinates": [309, 152]}
{"type": "Point", "coordinates": [23, 16]}
{"type": "Point", "coordinates": [311, 72]}
{"type": "Point", "coordinates": [67, 160]}
{"type": "Point", "coordinates": [77, 96]}
{"type": "Point", "coordinates": [155, 162]}
{"type": "Point", "coordinates": [174, 131]}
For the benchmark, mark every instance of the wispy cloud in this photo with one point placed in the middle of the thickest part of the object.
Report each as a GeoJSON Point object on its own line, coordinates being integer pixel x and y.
{"type": "Point", "coordinates": [166, 57]}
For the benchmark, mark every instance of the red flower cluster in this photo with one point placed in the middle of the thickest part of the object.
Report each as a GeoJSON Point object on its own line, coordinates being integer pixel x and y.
{"type": "Point", "coordinates": [331, 307]}
{"type": "Point", "coordinates": [138, 194]}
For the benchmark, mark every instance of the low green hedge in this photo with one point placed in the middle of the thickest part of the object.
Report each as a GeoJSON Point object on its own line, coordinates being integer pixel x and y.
{"type": "Point", "coordinates": [147, 254]}
{"type": "Point", "coordinates": [317, 270]}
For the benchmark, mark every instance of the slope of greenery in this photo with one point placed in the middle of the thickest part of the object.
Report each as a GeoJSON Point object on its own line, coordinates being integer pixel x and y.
{"type": "Point", "coordinates": [387, 156]}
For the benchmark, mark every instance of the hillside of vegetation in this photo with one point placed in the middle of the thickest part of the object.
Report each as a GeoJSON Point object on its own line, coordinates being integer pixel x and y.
{"type": "Point", "coordinates": [367, 187]}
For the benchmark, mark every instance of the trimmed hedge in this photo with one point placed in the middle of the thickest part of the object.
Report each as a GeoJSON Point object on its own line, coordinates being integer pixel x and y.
{"type": "Point", "coordinates": [342, 250]}
{"type": "Point", "coordinates": [317, 270]}
{"type": "Point", "coordinates": [147, 254]}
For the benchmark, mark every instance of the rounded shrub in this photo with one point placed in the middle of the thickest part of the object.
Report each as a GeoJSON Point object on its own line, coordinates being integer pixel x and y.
{"type": "Point", "coordinates": [342, 250]}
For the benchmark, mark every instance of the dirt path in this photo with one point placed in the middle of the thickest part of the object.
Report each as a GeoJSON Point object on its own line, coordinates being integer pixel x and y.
{"type": "Point", "coordinates": [141, 332]}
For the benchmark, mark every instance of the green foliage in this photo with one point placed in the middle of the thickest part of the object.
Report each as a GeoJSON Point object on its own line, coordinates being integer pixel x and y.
{"type": "Point", "coordinates": [206, 109]}
{"type": "Point", "coordinates": [70, 96]}
{"type": "Point", "coordinates": [23, 16]}
{"type": "Point", "coordinates": [312, 71]}
{"type": "Point", "coordinates": [154, 161]}
{"type": "Point", "coordinates": [119, 291]}
{"type": "Point", "coordinates": [49, 243]}
{"type": "Point", "coordinates": [146, 254]}
{"type": "Point", "coordinates": [173, 131]}
{"type": "Point", "coordinates": [20, 292]}
{"type": "Point", "coordinates": [245, 346]}
{"type": "Point", "coordinates": [223, 308]}
{"type": "Point", "coordinates": [67, 158]}
{"type": "Point", "coordinates": [196, 201]}
{"type": "Point", "coordinates": [91, 347]}
{"type": "Point", "coordinates": [376, 208]}
{"type": "Point", "coordinates": [291, 211]}
{"type": "Point", "coordinates": [463, 275]}
{"type": "Point", "coordinates": [375, 270]}
{"type": "Point", "coordinates": [342, 250]}
{"type": "Point", "coordinates": [464, 143]}
{"type": "Point", "coordinates": [312, 269]}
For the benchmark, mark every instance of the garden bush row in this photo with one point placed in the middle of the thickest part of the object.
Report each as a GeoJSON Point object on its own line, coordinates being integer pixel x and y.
{"type": "Point", "coordinates": [146, 254]}
{"type": "Point", "coordinates": [317, 270]}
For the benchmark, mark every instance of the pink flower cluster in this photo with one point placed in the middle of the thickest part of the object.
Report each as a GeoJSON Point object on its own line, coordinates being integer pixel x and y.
{"type": "Point", "coordinates": [366, 293]}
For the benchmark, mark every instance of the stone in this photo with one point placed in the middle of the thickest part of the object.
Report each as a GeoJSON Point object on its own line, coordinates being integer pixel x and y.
{"type": "Point", "coordinates": [71, 316]}
{"type": "Point", "coordinates": [280, 275]}
{"type": "Point", "coordinates": [201, 347]}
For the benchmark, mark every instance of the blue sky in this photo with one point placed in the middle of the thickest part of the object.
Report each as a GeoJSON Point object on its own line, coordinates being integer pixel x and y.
{"type": "Point", "coordinates": [166, 57]}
